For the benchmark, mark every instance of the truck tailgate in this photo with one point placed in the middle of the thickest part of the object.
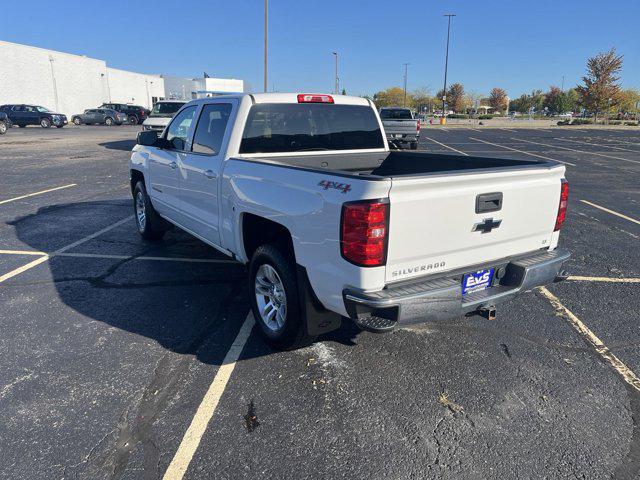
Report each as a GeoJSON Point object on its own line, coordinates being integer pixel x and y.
{"type": "Point", "coordinates": [404, 127]}
{"type": "Point", "coordinates": [432, 226]}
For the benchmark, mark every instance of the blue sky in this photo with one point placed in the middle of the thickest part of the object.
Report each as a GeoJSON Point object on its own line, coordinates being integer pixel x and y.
{"type": "Point", "coordinates": [515, 44]}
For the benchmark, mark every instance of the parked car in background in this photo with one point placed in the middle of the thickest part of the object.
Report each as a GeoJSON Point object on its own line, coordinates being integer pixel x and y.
{"type": "Point", "coordinates": [98, 116]}
{"type": "Point", "coordinates": [135, 113]}
{"type": "Point", "coordinates": [5, 123]}
{"type": "Point", "coordinates": [23, 115]}
{"type": "Point", "coordinates": [400, 126]}
{"type": "Point", "coordinates": [161, 113]}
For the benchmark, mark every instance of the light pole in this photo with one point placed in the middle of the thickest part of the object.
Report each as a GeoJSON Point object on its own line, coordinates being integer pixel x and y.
{"type": "Point", "coordinates": [404, 104]}
{"type": "Point", "coordinates": [337, 79]}
{"type": "Point", "coordinates": [266, 43]}
{"type": "Point", "coordinates": [446, 67]}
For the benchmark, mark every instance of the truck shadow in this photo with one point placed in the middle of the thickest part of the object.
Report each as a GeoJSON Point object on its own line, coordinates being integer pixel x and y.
{"type": "Point", "coordinates": [124, 145]}
{"type": "Point", "coordinates": [187, 307]}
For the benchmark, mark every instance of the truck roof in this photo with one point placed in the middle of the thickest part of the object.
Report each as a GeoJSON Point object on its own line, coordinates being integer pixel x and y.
{"type": "Point", "coordinates": [288, 98]}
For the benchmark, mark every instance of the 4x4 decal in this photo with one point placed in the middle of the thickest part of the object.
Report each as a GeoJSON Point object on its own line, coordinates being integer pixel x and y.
{"type": "Point", "coordinates": [327, 184]}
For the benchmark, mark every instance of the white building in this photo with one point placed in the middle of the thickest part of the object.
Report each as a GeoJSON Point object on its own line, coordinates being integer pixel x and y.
{"type": "Point", "coordinates": [70, 83]}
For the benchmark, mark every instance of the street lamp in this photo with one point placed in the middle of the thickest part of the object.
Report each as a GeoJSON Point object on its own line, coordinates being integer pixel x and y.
{"type": "Point", "coordinates": [266, 43]}
{"type": "Point", "coordinates": [446, 67]}
{"type": "Point", "coordinates": [337, 79]}
{"type": "Point", "coordinates": [404, 104]}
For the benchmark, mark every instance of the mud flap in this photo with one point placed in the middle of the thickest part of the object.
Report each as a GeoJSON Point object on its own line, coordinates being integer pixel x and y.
{"type": "Point", "coordinates": [317, 319]}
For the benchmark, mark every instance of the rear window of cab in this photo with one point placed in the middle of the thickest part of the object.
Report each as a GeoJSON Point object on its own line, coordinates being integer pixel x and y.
{"type": "Point", "coordinates": [299, 127]}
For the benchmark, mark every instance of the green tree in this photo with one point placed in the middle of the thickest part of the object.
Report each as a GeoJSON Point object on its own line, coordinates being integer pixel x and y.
{"type": "Point", "coordinates": [344, 91]}
{"type": "Point", "coordinates": [391, 97]}
{"type": "Point", "coordinates": [600, 89]}
{"type": "Point", "coordinates": [629, 100]}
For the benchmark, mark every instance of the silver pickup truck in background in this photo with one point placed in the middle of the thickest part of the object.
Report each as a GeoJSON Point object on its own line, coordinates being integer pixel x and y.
{"type": "Point", "coordinates": [400, 126]}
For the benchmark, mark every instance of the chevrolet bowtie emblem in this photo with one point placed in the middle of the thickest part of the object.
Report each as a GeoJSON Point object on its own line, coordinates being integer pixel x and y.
{"type": "Point", "coordinates": [486, 225]}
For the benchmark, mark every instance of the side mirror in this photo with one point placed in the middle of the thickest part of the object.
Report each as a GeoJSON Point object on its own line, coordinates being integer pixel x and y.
{"type": "Point", "coordinates": [148, 138]}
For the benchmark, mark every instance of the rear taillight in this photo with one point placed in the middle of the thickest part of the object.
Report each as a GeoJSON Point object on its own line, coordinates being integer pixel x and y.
{"type": "Point", "coordinates": [562, 208]}
{"type": "Point", "coordinates": [314, 98]}
{"type": "Point", "coordinates": [364, 231]}
{"type": "Point", "coordinates": [418, 126]}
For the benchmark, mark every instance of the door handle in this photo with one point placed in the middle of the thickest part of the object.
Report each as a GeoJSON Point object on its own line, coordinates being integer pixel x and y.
{"type": "Point", "coordinates": [173, 165]}
{"type": "Point", "coordinates": [210, 174]}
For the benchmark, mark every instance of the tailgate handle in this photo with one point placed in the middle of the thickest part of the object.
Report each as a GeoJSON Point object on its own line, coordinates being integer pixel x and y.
{"type": "Point", "coordinates": [489, 202]}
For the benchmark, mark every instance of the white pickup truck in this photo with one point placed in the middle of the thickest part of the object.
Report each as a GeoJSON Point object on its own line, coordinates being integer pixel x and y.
{"type": "Point", "coordinates": [332, 224]}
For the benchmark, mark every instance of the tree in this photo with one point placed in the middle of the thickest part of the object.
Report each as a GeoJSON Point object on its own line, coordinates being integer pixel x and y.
{"type": "Point", "coordinates": [455, 97]}
{"type": "Point", "coordinates": [600, 89]}
{"type": "Point", "coordinates": [473, 100]}
{"type": "Point", "coordinates": [421, 100]}
{"type": "Point", "coordinates": [498, 99]}
{"type": "Point", "coordinates": [344, 91]}
{"type": "Point", "coordinates": [629, 101]}
{"type": "Point", "coordinates": [391, 97]}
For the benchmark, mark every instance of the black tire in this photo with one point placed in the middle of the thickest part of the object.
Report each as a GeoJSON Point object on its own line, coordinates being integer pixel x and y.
{"type": "Point", "coordinates": [132, 119]}
{"type": "Point", "coordinates": [292, 334]}
{"type": "Point", "coordinates": [77, 121]}
{"type": "Point", "coordinates": [45, 122]}
{"type": "Point", "coordinates": [108, 121]}
{"type": "Point", "coordinates": [413, 145]}
{"type": "Point", "coordinates": [3, 128]}
{"type": "Point", "coordinates": [22, 126]}
{"type": "Point", "coordinates": [153, 227]}
{"type": "Point", "coordinates": [59, 126]}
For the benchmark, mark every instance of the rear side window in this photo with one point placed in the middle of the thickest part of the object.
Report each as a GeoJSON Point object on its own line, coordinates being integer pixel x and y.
{"type": "Point", "coordinates": [179, 129]}
{"type": "Point", "coordinates": [211, 127]}
{"type": "Point", "coordinates": [298, 127]}
{"type": "Point", "coordinates": [395, 114]}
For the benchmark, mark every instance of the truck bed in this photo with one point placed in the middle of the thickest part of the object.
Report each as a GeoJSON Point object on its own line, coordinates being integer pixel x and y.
{"type": "Point", "coordinates": [397, 163]}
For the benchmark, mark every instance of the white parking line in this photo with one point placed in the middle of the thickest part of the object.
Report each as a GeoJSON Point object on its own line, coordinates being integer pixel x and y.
{"type": "Point", "coordinates": [577, 151]}
{"type": "Point", "coordinates": [612, 212]}
{"type": "Point", "coordinates": [522, 151]}
{"type": "Point", "coordinates": [508, 130]}
{"type": "Point", "coordinates": [192, 437]}
{"type": "Point", "coordinates": [627, 374]}
{"type": "Point", "coordinates": [446, 146]}
{"type": "Point", "coordinates": [598, 145]}
{"type": "Point", "coordinates": [119, 257]}
{"type": "Point", "coordinates": [2, 202]}
{"type": "Point", "coordinates": [46, 256]}
{"type": "Point", "coordinates": [577, 278]}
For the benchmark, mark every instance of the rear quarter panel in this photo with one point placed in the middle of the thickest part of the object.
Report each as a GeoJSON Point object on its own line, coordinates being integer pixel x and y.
{"type": "Point", "coordinates": [296, 199]}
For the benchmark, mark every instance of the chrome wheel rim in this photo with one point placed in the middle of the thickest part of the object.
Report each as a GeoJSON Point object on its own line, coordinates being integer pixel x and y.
{"type": "Point", "coordinates": [141, 214]}
{"type": "Point", "coordinates": [3, 127]}
{"type": "Point", "coordinates": [271, 298]}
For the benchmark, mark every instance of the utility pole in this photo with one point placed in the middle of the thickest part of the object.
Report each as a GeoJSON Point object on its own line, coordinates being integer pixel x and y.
{"type": "Point", "coordinates": [337, 79]}
{"type": "Point", "coordinates": [446, 67]}
{"type": "Point", "coordinates": [562, 88]}
{"type": "Point", "coordinates": [405, 84]}
{"type": "Point", "coordinates": [266, 43]}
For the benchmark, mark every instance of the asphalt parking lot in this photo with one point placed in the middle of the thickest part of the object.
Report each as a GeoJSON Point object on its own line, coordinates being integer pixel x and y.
{"type": "Point", "coordinates": [131, 360]}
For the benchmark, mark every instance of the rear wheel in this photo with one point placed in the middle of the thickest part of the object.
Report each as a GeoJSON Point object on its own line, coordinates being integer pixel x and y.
{"type": "Point", "coordinates": [150, 225]}
{"type": "Point", "coordinates": [3, 128]}
{"type": "Point", "coordinates": [76, 121]}
{"type": "Point", "coordinates": [133, 120]}
{"type": "Point", "coordinates": [108, 121]}
{"type": "Point", "coordinates": [59, 126]}
{"type": "Point", "coordinates": [45, 123]}
{"type": "Point", "coordinates": [22, 126]}
{"type": "Point", "coordinates": [274, 298]}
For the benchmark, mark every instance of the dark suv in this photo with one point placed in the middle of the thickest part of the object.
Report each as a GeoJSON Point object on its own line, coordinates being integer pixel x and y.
{"type": "Point", "coordinates": [23, 115]}
{"type": "Point", "coordinates": [135, 113]}
{"type": "Point", "coordinates": [5, 123]}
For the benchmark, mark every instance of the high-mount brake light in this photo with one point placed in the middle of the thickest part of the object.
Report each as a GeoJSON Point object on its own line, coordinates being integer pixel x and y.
{"type": "Point", "coordinates": [364, 232]}
{"type": "Point", "coordinates": [562, 207]}
{"type": "Point", "coordinates": [314, 98]}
